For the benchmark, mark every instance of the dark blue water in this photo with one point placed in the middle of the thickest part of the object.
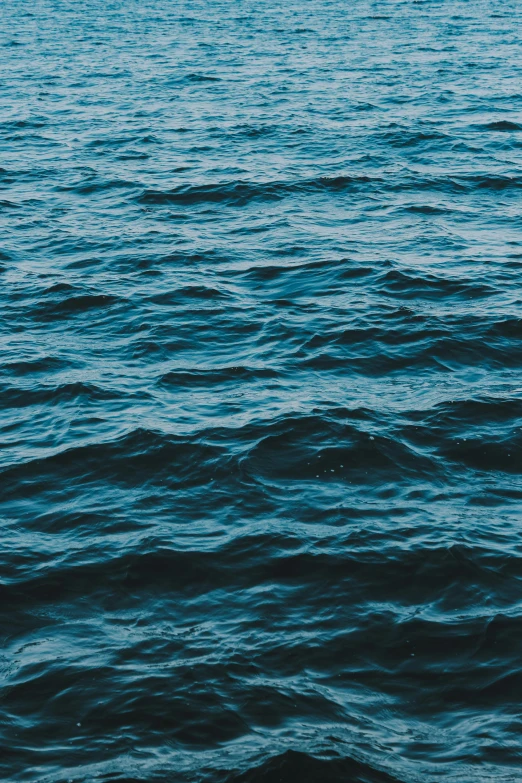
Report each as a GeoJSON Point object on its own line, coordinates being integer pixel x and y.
{"type": "Point", "coordinates": [261, 391]}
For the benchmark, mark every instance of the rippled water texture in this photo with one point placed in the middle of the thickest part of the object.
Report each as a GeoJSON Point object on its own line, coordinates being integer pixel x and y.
{"type": "Point", "coordinates": [261, 391]}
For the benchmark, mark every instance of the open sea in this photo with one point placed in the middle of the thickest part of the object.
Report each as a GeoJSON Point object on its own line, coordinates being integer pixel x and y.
{"type": "Point", "coordinates": [260, 391]}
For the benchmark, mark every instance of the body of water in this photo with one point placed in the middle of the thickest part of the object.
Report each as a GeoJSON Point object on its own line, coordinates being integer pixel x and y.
{"type": "Point", "coordinates": [261, 391]}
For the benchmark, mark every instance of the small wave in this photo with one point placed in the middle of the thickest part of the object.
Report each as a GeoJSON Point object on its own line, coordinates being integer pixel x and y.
{"type": "Point", "coordinates": [192, 292]}
{"type": "Point", "coordinates": [489, 456]}
{"type": "Point", "coordinates": [73, 305]}
{"type": "Point", "coordinates": [499, 183]}
{"type": "Point", "coordinates": [406, 137]}
{"type": "Point", "coordinates": [199, 377]}
{"type": "Point", "coordinates": [43, 365]}
{"type": "Point", "coordinates": [201, 77]}
{"type": "Point", "coordinates": [397, 281]}
{"type": "Point", "coordinates": [502, 125]}
{"type": "Point", "coordinates": [96, 185]}
{"type": "Point", "coordinates": [300, 766]}
{"type": "Point", "coordinates": [240, 193]}
{"type": "Point", "coordinates": [55, 395]}
{"type": "Point", "coordinates": [28, 122]}
{"type": "Point", "coordinates": [427, 209]}
{"type": "Point", "coordinates": [332, 448]}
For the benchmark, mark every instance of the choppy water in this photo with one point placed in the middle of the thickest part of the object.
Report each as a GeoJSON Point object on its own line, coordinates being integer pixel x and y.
{"type": "Point", "coordinates": [261, 387]}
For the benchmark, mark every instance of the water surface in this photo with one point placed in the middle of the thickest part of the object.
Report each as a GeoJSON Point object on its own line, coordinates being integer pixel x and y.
{"type": "Point", "coordinates": [261, 391]}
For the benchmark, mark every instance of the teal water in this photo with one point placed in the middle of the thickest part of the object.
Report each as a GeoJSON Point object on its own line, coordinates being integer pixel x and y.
{"type": "Point", "coordinates": [261, 391]}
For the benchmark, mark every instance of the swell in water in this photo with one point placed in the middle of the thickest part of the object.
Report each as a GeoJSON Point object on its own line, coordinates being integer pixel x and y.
{"type": "Point", "coordinates": [261, 387]}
